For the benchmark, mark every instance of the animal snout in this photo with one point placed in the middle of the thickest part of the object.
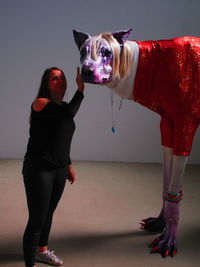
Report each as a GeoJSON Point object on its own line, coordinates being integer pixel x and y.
{"type": "Point", "coordinates": [87, 74]}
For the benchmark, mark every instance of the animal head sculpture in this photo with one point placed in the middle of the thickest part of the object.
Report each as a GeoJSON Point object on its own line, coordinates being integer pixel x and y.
{"type": "Point", "coordinates": [103, 57]}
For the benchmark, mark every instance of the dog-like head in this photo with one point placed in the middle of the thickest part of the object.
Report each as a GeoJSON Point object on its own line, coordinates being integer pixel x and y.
{"type": "Point", "coordinates": [100, 55]}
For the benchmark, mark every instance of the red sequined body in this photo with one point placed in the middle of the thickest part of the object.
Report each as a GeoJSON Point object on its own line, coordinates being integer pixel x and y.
{"type": "Point", "coordinates": [168, 82]}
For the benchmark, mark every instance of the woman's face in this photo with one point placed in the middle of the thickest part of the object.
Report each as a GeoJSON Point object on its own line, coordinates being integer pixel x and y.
{"type": "Point", "coordinates": [57, 83]}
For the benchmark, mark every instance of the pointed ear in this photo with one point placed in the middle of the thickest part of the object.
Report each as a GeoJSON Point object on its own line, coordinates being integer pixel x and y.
{"type": "Point", "coordinates": [122, 36]}
{"type": "Point", "coordinates": [80, 37]}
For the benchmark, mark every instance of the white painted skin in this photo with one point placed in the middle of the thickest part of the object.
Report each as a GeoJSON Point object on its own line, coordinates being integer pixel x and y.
{"type": "Point", "coordinates": [124, 87]}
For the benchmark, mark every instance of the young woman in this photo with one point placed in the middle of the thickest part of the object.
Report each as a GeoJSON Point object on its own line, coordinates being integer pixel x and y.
{"type": "Point", "coordinates": [47, 162]}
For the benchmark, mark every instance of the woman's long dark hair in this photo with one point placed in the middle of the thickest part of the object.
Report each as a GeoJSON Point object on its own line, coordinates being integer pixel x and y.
{"type": "Point", "coordinates": [44, 89]}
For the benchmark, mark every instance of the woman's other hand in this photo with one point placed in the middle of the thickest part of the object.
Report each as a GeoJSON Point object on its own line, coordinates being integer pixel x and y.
{"type": "Point", "coordinates": [70, 174]}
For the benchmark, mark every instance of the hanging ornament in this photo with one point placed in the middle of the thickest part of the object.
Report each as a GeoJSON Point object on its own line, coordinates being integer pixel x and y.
{"type": "Point", "coordinates": [114, 119]}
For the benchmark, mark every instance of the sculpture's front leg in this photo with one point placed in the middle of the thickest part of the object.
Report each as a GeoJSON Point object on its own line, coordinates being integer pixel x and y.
{"type": "Point", "coordinates": [154, 224]}
{"type": "Point", "coordinates": [157, 224]}
{"type": "Point", "coordinates": [166, 244]}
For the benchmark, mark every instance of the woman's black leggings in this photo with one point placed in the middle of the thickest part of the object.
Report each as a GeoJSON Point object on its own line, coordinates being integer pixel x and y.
{"type": "Point", "coordinates": [44, 185]}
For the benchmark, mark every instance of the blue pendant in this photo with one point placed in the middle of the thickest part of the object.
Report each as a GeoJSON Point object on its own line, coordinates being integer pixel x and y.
{"type": "Point", "coordinates": [113, 129]}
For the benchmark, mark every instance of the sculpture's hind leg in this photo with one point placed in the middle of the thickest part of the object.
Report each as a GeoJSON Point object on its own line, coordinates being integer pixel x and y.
{"type": "Point", "coordinates": [166, 243]}
{"type": "Point", "coordinates": [183, 132]}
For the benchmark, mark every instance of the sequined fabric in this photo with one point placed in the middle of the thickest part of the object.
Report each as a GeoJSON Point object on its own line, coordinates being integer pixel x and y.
{"type": "Point", "coordinates": [167, 81]}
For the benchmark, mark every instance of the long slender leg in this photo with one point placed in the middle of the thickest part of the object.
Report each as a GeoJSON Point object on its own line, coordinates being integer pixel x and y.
{"type": "Point", "coordinates": [167, 172]}
{"type": "Point", "coordinates": [176, 181]}
{"type": "Point", "coordinates": [166, 243]}
{"type": "Point", "coordinates": [157, 224]}
{"type": "Point", "coordinates": [167, 168]}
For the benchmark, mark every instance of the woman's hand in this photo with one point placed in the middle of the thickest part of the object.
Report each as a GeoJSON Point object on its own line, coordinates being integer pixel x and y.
{"type": "Point", "coordinates": [79, 82]}
{"type": "Point", "coordinates": [70, 174]}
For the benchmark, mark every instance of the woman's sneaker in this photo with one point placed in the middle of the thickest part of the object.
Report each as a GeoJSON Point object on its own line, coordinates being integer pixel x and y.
{"type": "Point", "coordinates": [49, 257]}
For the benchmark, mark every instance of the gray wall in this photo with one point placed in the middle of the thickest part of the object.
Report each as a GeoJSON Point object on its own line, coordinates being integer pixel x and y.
{"type": "Point", "coordinates": [38, 34]}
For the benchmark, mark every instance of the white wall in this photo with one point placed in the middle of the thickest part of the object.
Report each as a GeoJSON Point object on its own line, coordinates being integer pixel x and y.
{"type": "Point", "coordinates": [38, 34]}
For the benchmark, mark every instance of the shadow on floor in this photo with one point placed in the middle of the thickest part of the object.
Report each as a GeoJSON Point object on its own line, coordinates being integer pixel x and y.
{"type": "Point", "coordinates": [94, 241]}
{"type": "Point", "coordinates": [8, 257]}
{"type": "Point", "coordinates": [11, 251]}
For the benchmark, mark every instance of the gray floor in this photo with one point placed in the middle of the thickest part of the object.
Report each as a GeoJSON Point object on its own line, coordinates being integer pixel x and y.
{"type": "Point", "coordinates": [97, 221]}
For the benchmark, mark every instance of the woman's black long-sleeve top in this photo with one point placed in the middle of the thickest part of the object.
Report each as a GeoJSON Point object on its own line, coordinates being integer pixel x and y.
{"type": "Point", "coordinates": [51, 131]}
